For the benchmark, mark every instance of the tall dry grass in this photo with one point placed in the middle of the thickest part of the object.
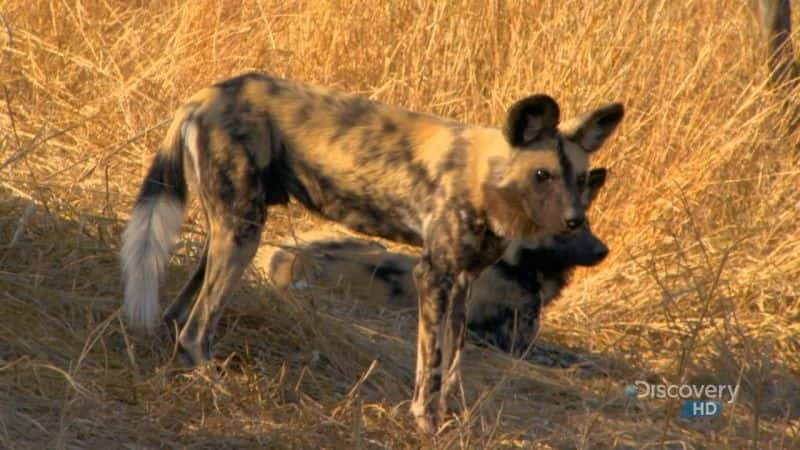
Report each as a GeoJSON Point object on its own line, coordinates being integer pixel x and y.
{"type": "Point", "coordinates": [701, 213]}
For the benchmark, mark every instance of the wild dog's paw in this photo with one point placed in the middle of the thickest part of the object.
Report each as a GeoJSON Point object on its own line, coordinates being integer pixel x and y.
{"type": "Point", "coordinates": [193, 353]}
{"type": "Point", "coordinates": [426, 416]}
{"type": "Point", "coordinates": [426, 423]}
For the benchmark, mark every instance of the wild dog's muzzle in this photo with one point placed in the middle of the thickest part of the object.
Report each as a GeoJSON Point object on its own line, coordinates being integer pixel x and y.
{"type": "Point", "coordinates": [580, 248]}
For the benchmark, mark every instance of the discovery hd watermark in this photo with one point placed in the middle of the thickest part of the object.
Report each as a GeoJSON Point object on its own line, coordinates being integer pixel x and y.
{"type": "Point", "coordinates": [700, 400]}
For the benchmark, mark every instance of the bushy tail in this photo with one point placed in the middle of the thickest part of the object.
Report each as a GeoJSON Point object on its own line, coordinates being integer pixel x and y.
{"type": "Point", "coordinates": [152, 231]}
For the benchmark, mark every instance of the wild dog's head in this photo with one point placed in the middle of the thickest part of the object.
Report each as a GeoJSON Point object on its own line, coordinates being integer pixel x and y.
{"type": "Point", "coordinates": [532, 190]}
{"type": "Point", "coordinates": [529, 276]}
{"type": "Point", "coordinates": [552, 256]}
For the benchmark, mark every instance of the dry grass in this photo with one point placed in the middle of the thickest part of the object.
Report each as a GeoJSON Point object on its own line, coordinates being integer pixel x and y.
{"type": "Point", "coordinates": [701, 213]}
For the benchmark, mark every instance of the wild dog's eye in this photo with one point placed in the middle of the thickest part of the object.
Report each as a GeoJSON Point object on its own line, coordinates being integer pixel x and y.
{"type": "Point", "coordinates": [543, 175]}
{"type": "Point", "coordinates": [581, 178]}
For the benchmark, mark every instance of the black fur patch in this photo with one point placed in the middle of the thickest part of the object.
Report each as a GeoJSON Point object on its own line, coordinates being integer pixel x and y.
{"type": "Point", "coordinates": [340, 203]}
{"type": "Point", "coordinates": [455, 155]}
{"type": "Point", "coordinates": [568, 174]}
{"type": "Point", "coordinates": [276, 177]}
{"type": "Point", "coordinates": [388, 126]}
{"type": "Point", "coordinates": [436, 361]}
{"type": "Point", "coordinates": [386, 271]}
{"type": "Point", "coordinates": [368, 149]}
{"type": "Point", "coordinates": [232, 86]}
{"type": "Point", "coordinates": [273, 86]}
{"type": "Point", "coordinates": [352, 112]}
{"type": "Point", "coordinates": [436, 379]}
{"type": "Point", "coordinates": [165, 175]}
{"type": "Point", "coordinates": [518, 123]}
{"type": "Point", "coordinates": [392, 276]}
{"type": "Point", "coordinates": [248, 229]}
{"type": "Point", "coordinates": [275, 183]}
{"type": "Point", "coordinates": [303, 114]}
{"type": "Point", "coordinates": [494, 330]}
{"type": "Point", "coordinates": [531, 263]}
{"type": "Point", "coordinates": [329, 246]}
{"type": "Point", "coordinates": [282, 182]}
{"type": "Point", "coordinates": [340, 200]}
{"type": "Point", "coordinates": [225, 187]}
{"type": "Point", "coordinates": [235, 122]}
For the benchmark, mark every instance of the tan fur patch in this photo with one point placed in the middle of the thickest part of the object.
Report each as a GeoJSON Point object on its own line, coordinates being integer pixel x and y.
{"type": "Point", "coordinates": [524, 164]}
{"type": "Point", "coordinates": [577, 157]}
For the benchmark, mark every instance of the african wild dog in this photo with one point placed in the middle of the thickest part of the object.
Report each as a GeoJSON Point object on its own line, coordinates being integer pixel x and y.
{"type": "Point", "coordinates": [504, 303]}
{"type": "Point", "coordinates": [458, 191]}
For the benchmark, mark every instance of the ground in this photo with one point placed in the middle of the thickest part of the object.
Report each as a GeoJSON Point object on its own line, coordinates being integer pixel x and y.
{"type": "Point", "coordinates": [700, 212]}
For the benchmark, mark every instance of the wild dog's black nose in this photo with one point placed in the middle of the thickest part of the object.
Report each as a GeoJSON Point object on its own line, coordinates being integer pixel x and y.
{"type": "Point", "coordinates": [575, 221]}
{"type": "Point", "coordinates": [600, 251]}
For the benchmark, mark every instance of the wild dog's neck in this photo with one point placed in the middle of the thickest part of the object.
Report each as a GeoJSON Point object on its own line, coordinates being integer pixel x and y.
{"type": "Point", "coordinates": [485, 144]}
{"type": "Point", "coordinates": [505, 217]}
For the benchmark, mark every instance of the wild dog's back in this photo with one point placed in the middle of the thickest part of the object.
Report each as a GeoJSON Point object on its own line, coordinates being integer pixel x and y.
{"type": "Point", "coordinates": [370, 166]}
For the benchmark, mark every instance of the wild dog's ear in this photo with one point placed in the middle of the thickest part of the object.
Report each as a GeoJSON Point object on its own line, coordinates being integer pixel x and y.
{"type": "Point", "coordinates": [590, 130]}
{"type": "Point", "coordinates": [597, 178]}
{"type": "Point", "coordinates": [531, 119]}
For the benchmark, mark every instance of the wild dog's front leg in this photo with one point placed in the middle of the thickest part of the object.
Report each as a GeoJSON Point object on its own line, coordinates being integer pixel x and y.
{"type": "Point", "coordinates": [440, 339]}
{"type": "Point", "coordinates": [454, 331]}
{"type": "Point", "coordinates": [432, 288]}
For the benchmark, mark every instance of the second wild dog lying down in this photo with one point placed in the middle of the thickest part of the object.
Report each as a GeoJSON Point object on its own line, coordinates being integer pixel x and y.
{"type": "Point", "coordinates": [460, 192]}
{"type": "Point", "coordinates": [504, 303]}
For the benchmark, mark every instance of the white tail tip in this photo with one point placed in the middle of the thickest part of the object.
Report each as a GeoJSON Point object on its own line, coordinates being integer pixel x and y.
{"type": "Point", "coordinates": [146, 245]}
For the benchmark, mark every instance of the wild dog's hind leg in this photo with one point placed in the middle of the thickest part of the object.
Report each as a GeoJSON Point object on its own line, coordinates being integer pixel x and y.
{"type": "Point", "coordinates": [233, 196]}
{"type": "Point", "coordinates": [177, 312]}
{"type": "Point", "coordinates": [231, 247]}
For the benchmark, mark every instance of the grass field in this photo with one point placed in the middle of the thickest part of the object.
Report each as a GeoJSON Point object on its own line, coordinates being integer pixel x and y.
{"type": "Point", "coordinates": [701, 214]}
